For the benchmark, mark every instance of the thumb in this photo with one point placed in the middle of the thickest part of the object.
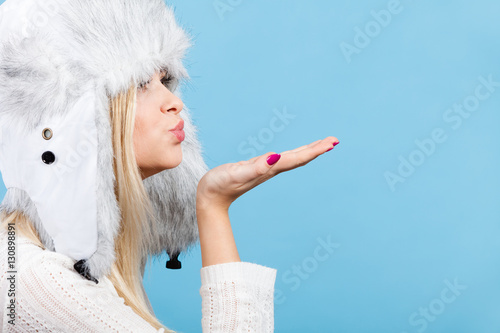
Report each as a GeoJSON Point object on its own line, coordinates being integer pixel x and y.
{"type": "Point", "coordinates": [272, 159]}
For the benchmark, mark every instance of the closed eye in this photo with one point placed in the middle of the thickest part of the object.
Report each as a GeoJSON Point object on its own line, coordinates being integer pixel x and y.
{"type": "Point", "coordinates": [166, 80]}
{"type": "Point", "coordinates": [170, 82]}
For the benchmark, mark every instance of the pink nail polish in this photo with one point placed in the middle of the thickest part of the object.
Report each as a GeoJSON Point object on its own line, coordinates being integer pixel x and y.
{"type": "Point", "coordinates": [329, 149]}
{"type": "Point", "coordinates": [335, 143]}
{"type": "Point", "coordinates": [273, 159]}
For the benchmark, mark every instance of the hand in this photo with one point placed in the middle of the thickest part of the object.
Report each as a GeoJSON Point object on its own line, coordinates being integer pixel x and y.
{"type": "Point", "coordinates": [222, 185]}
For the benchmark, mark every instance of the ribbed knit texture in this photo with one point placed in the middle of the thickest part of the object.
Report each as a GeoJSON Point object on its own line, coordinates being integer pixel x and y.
{"type": "Point", "coordinates": [237, 297]}
{"type": "Point", "coordinates": [52, 297]}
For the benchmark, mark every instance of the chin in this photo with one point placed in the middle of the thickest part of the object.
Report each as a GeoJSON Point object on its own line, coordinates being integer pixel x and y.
{"type": "Point", "coordinates": [172, 165]}
{"type": "Point", "coordinates": [173, 162]}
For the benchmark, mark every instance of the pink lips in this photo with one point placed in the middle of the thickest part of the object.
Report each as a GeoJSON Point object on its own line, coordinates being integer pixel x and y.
{"type": "Point", "coordinates": [178, 131]}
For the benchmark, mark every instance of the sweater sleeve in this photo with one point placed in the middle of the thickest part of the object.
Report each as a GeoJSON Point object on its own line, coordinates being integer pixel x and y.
{"type": "Point", "coordinates": [53, 297]}
{"type": "Point", "coordinates": [237, 297]}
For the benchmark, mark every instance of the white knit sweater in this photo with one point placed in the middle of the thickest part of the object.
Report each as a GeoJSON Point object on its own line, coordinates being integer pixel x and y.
{"type": "Point", "coordinates": [50, 296]}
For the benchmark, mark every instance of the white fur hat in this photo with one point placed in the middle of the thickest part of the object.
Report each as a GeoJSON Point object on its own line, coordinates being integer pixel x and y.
{"type": "Point", "coordinates": [60, 62]}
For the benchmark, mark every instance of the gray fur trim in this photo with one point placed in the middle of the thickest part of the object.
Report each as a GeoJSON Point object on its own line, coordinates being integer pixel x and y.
{"type": "Point", "coordinates": [108, 210]}
{"type": "Point", "coordinates": [173, 194]}
{"type": "Point", "coordinates": [18, 200]}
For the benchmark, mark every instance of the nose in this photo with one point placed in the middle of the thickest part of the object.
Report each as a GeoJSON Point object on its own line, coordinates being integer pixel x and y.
{"type": "Point", "coordinates": [171, 103]}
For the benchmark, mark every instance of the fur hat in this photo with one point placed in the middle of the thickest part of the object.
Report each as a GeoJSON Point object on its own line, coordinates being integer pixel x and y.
{"type": "Point", "coordinates": [60, 62]}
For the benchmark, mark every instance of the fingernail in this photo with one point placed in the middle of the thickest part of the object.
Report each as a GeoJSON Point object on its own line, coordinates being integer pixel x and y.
{"type": "Point", "coordinates": [334, 144]}
{"type": "Point", "coordinates": [273, 159]}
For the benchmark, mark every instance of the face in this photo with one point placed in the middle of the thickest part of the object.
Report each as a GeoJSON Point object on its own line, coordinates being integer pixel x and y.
{"type": "Point", "coordinates": [156, 147]}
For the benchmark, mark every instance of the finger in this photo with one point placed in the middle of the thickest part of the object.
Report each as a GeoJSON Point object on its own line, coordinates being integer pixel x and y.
{"type": "Point", "coordinates": [264, 165]}
{"type": "Point", "coordinates": [301, 148]}
{"type": "Point", "coordinates": [328, 139]}
{"type": "Point", "coordinates": [249, 175]}
{"type": "Point", "coordinates": [294, 159]}
{"type": "Point", "coordinates": [252, 160]}
{"type": "Point", "coordinates": [329, 142]}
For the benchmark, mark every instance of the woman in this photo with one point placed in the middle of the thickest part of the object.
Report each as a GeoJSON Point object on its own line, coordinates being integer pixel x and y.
{"type": "Point", "coordinates": [103, 169]}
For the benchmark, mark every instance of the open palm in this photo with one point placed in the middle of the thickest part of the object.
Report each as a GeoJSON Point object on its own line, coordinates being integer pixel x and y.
{"type": "Point", "coordinates": [225, 183]}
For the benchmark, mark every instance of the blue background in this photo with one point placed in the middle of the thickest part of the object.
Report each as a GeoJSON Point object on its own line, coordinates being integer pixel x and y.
{"type": "Point", "coordinates": [398, 247]}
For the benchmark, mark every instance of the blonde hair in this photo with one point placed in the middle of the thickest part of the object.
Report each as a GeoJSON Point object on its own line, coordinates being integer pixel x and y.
{"type": "Point", "coordinates": [130, 245]}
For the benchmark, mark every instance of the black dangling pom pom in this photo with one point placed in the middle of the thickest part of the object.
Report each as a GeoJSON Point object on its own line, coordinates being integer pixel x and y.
{"type": "Point", "coordinates": [83, 271]}
{"type": "Point", "coordinates": [173, 263]}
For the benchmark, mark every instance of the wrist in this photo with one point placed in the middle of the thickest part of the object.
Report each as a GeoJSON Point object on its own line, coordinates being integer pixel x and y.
{"type": "Point", "coordinates": [204, 204]}
{"type": "Point", "coordinates": [216, 237]}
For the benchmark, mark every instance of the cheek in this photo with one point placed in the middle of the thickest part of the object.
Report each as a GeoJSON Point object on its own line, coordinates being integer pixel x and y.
{"type": "Point", "coordinates": [142, 133]}
{"type": "Point", "coordinates": [150, 134]}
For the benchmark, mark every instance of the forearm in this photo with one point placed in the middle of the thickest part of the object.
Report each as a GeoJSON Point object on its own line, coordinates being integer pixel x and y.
{"type": "Point", "coordinates": [216, 236]}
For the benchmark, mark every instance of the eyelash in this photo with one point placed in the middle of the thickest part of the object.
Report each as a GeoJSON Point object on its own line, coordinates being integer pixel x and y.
{"type": "Point", "coordinates": [165, 81]}
{"type": "Point", "coordinates": [143, 85]}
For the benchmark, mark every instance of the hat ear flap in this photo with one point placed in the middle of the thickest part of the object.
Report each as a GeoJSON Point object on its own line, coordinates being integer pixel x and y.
{"type": "Point", "coordinates": [64, 165]}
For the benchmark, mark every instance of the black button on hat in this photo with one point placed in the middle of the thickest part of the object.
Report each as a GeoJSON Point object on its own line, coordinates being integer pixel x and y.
{"type": "Point", "coordinates": [48, 157]}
